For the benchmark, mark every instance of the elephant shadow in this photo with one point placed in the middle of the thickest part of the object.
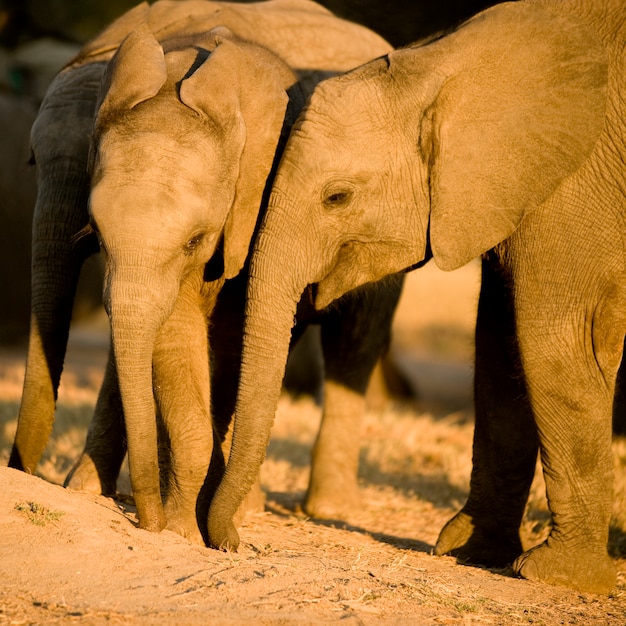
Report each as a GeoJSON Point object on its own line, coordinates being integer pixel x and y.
{"type": "Point", "coordinates": [284, 504]}
{"type": "Point", "coordinates": [281, 504]}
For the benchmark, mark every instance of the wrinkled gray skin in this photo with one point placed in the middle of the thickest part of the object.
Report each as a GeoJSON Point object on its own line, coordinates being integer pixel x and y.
{"type": "Point", "coordinates": [175, 169]}
{"type": "Point", "coordinates": [18, 192]}
{"type": "Point", "coordinates": [505, 139]}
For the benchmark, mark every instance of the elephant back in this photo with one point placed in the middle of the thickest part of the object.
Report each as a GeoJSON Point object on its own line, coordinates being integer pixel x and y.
{"type": "Point", "coordinates": [292, 29]}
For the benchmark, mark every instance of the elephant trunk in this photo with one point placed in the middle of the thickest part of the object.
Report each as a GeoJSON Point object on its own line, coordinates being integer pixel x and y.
{"type": "Point", "coordinates": [274, 289]}
{"type": "Point", "coordinates": [60, 141]}
{"type": "Point", "coordinates": [136, 315]}
{"type": "Point", "coordinates": [56, 262]}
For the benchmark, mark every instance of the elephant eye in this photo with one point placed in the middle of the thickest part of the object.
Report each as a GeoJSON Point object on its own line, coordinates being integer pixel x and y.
{"type": "Point", "coordinates": [193, 243]}
{"type": "Point", "coordinates": [337, 199]}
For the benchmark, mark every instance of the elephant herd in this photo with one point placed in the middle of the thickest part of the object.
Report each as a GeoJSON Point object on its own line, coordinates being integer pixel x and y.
{"type": "Point", "coordinates": [248, 169]}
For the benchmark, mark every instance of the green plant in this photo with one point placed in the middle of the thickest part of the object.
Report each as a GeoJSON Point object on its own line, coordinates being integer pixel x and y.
{"type": "Point", "coordinates": [38, 514]}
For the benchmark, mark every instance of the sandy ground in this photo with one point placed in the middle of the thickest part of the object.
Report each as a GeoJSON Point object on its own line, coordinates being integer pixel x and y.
{"type": "Point", "coordinates": [68, 557]}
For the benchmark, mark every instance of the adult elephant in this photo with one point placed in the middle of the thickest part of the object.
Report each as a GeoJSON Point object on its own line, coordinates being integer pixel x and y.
{"type": "Point", "coordinates": [402, 22]}
{"type": "Point", "coordinates": [18, 192]}
{"type": "Point", "coordinates": [505, 139]}
{"type": "Point", "coordinates": [175, 170]}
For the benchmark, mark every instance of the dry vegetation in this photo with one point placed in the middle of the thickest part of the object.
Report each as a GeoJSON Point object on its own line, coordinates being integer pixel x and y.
{"type": "Point", "coordinates": [72, 558]}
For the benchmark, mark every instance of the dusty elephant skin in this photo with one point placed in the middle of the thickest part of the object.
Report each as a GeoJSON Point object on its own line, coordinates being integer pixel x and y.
{"type": "Point", "coordinates": [161, 197]}
{"type": "Point", "coordinates": [503, 139]}
{"type": "Point", "coordinates": [186, 103]}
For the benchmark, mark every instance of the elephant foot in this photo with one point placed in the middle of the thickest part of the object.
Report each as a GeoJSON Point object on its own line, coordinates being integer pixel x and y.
{"type": "Point", "coordinates": [560, 565]}
{"type": "Point", "coordinates": [463, 538]}
{"type": "Point", "coordinates": [84, 476]}
{"type": "Point", "coordinates": [181, 518]}
{"type": "Point", "coordinates": [336, 502]}
{"type": "Point", "coordinates": [187, 528]}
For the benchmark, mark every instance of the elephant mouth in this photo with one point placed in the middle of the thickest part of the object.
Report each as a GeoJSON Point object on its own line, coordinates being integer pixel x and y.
{"type": "Point", "coordinates": [343, 276]}
{"type": "Point", "coordinates": [360, 262]}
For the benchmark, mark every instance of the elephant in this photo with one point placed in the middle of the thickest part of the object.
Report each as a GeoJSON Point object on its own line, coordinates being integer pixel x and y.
{"type": "Point", "coordinates": [139, 160]}
{"type": "Point", "coordinates": [18, 193]}
{"type": "Point", "coordinates": [503, 139]}
{"type": "Point", "coordinates": [402, 22]}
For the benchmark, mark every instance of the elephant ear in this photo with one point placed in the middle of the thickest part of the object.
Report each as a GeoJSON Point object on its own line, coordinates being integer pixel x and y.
{"type": "Point", "coordinates": [242, 86]}
{"type": "Point", "coordinates": [135, 74]}
{"type": "Point", "coordinates": [521, 108]}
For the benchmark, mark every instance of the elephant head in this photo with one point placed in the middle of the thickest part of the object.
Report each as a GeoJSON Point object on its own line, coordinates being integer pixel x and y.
{"type": "Point", "coordinates": [184, 139]}
{"type": "Point", "coordinates": [436, 150]}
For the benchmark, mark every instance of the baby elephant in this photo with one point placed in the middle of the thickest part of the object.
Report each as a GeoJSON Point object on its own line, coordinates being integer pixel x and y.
{"type": "Point", "coordinates": [506, 138]}
{"type": "Point", "coordinates": [191, 101]}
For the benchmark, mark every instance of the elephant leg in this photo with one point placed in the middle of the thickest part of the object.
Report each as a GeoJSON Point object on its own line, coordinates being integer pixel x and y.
{"type": "Point", "coordinates": [486, 530]}
{"type": "Point", "coordinates": [354, 336]}
{"type": "Point", "coordinates": [389, 384]}
{"type": "Point", "coordinates": [571, 365]}
{"type": "Point", "coordinates": [182, 390]}
{"type": "Point", "coordinates": [60, 142]}
{"type": "Point", "coordinates": [98, 467]}
{"type": "Point", "coordinates": [56, 263]}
